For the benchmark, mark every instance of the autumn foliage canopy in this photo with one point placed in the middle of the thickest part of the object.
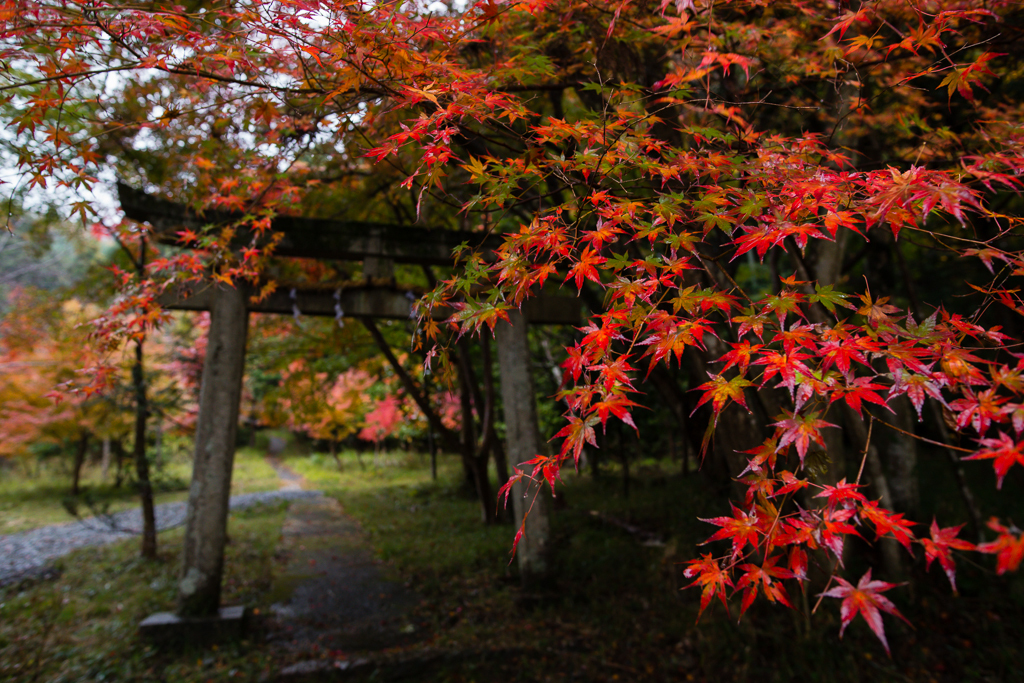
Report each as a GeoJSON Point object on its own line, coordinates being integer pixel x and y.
{"type": "Point", "coordinates": [713, 177]}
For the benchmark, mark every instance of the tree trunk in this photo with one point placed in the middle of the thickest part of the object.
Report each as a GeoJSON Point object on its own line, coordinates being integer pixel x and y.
{"type": "Point", "coordinates": [966, 494]}
{"type": "Point", "coordinates": [892, 560]}
{"type": "Point", "coordinates": [105, 463]}
{"type": "Point", "coordinates": [668, 388]}
{"type": "Point", "coordinates": [670, 434]}
{"type": "Point", "coordinates": [118, 463]}
{"type": "Point", "coordinates": [76, 473]}
{"type": "Point", "coordinates": [141, 463]}
{"type": "Point", "coordinates": [500, 461]}
{"type": "Point", "coordinates": [158, 446]}
{"type": "Point", "coordinates": [334, 454]}
{"type": "Point", "coordinates": [476, 466]}
{"type": "Point", "coordinates": [530, 504]}
{"type": "Point", "coordinates": [433, 453]}
{"type": "Point", "coordinates": [901, 452]}
{"type": "Point", "coordinates": [216, 430]}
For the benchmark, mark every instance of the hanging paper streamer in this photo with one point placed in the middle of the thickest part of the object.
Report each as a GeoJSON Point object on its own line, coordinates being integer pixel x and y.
{"type": "Point", "coordinates": [338, 313]}
{"type": "Point", "coordinates": [412, 309]}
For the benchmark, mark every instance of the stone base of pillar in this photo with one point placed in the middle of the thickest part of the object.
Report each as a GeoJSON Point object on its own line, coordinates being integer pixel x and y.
{"type": "Point", "coordinates": [168, 630]}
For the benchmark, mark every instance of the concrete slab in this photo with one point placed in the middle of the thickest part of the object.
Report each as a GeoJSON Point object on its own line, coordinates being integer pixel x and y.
{"type": "Point", "coordinates": [167, 629]}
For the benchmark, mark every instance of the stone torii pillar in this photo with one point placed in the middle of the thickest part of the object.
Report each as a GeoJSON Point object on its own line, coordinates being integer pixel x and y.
{"type": "Point", "coordinates": [216, 430]}
{"type": "Point", "coordinates": [523, 442]}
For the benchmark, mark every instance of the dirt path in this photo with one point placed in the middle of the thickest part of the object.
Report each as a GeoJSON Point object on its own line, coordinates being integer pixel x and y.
{"type": "Point", "coordinates": [330, 594]}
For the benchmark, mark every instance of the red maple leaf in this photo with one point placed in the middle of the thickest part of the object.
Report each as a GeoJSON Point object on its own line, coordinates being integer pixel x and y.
{"type": "Point", "coordinates": [842, 494]}
{"type": "Point", "coordinates": [842, 351]}
{"type": "Point", "coordinates": [939, 547]}
{"type": "Point", "coordinates": [1008, 548]}
{"type": "Point", "coordinates": [833, 529]}
{"type": "Point", "coordinates": [860, 389]}
{"type": "Point", "coordinates": [762, 576]}
{"type": "Point", "coordinates": [615, 404]}
{"type": "Point", "coordinates": [758, 485]}
{"type": "Point", "coordinates": [739, 356]}
{"type": "Point", "coordinates": [578, 360]}
{"type": "Point", "coordinates": [790, 483]}
{"type": "Point", "coordinates": [888, 523]}
{"type": "Point", "coordinates": [577, 433]}
{"type": "Point", "coordinates": [712, 577]}
{"type": "Point", "coordinates": [720, 391]}
{"type": "Point", "coordinates": [797, 335]}
{"type": "Point", "coordinates": [978, 410]}
{"type": "Point", "coordinates": [742, 528]}
{"type": "Point", "coordinates": [597, 339]}
{"type": "Point", "coordinates": [751, 322]}
{"type": "Point", "coordinates": [866, 599]}
{"type": "Point", "coordinates": [585, 268]}
{"type": "Point", "coordinates": [607, 231]}
{"type": "Point", "coordinates": [798, 563]}
{"type": "Point", "coordinates": [959, 365]}
{"type": "Point", "coordinates": [801, 430]}
{"type": "Point", "coordinates": [763, 454]}
{"type": "Point", "coordinates": [615, 373]}
{"type": "Point", "coordinates": [1003, 452]}
{"type": "Point", "coordinates": [786, 365]}
{"type": "Point", "coordinates": [905, 355]}
{"type": "Point", "coordinates": [915, 387]}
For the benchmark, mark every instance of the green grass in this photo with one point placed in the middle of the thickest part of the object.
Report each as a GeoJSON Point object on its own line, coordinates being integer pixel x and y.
{"type": "Point", "coordinates": [84, 625]}
{"type": "Point", "coordinates": [28, 502]}
{"type": "Point", "coordinates": [251, 472]}
{"type": "Point", "coordinates": [614, 612]}
{"type": "Point", "coordinates": [432, 529]}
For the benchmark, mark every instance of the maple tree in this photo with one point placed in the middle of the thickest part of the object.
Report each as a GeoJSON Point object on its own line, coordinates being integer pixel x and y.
{"type": "Point", "coordinates": [330, 397]}
{"type": "Point", "coordinates": [708, 175]}
{"type": "Point", "coordinates": [42, 345]}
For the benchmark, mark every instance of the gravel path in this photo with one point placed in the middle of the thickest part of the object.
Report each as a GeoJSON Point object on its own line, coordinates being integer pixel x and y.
{"type": "Point", "coordinates": [30, 552]}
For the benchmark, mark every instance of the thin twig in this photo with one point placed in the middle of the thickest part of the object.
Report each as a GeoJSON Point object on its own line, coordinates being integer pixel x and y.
{"type": "Point", "coordinates": [921, 438]}
{"type": "Point", "coordinates": [831, 577]}
{"type": "Point", "coordinates": [867, 445]}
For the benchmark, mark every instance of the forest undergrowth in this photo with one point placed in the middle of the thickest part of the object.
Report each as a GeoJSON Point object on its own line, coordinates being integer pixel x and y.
{"type": "Point", "coordinates": [618, 611]}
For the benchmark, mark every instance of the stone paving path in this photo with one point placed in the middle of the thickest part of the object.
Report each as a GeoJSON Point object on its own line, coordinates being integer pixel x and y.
{"type": "Point", "coordinates": [334, 594]}
{"type": "Point", "coordinates": [290, 479]}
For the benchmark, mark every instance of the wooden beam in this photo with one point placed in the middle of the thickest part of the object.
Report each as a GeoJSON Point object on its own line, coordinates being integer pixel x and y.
{"type": "Point", "coordinates": [317, 238]}
{"type": "Point", "coordinates": [360, 302]}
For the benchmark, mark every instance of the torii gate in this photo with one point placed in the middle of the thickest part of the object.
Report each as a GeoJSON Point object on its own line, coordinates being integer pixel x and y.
{"type": "Point", "coordinates": [379, 246]}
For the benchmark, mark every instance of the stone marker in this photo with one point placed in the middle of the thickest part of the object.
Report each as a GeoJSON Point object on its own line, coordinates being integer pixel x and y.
{"type": "Point", "coordinates": [170, 629]}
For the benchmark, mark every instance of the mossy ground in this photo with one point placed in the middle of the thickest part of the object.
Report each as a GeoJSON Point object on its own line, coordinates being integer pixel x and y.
{"type": "Point", "coordinates": [613, 613]}
{"type": "Point", "coordinates": [83, 626]}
